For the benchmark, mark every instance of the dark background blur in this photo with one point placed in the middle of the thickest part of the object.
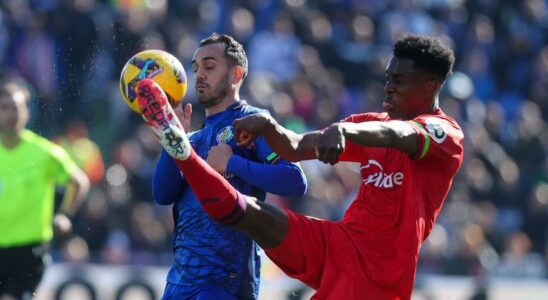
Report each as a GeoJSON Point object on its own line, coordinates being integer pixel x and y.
{"type": "Point", "coordinates": [311, 63]}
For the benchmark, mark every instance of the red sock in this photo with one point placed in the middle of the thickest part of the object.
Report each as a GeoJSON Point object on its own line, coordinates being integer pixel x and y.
{"type": "Point", "coordinates": [218, 198]}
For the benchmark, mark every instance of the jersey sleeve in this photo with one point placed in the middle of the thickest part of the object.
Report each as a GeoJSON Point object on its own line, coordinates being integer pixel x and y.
{"type": "Point", "coordinates": [62, 165]}
{"type": "Point", "coordinates": [270, 168]}
{"type": "Point", "coordinates": [261, 149]}
{"type": "Point", "coordinates": [264, 152]}
{"type": "Point", "coordinates": [439, 138]}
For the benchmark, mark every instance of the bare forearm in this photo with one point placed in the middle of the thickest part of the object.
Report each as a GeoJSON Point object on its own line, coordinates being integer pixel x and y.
{"type": "Point", "coordinates": [288, 144]}
{"type": "Point", "coordinates": [75, 193]}
{"type": "Point", "coordinates": [395, 134]}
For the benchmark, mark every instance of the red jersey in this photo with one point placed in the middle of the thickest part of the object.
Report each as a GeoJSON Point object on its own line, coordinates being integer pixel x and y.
{"type": "Point", "coordinates": [400, 198]}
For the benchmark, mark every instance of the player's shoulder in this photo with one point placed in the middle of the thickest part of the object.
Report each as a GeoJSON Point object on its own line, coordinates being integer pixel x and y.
{"type": "Point", "coordinates": [438, 120]}
{"type": "Point", "coordinates": [39, 144]}
{"type": "Point", "coordinates": [437, 116]}
{"type": "Point", "coordinates": [442, 135]}
{"type": "Point", "coordinates": [367, 116]}
{"type": "Point", "coordinates": [37, 141]}
{"type": "Point", "coordinates": [194, 134]}
{"type": "Point", "coordinates": [245, 108]}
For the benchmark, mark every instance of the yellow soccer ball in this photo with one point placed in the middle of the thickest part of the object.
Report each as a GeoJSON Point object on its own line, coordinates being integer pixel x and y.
{"type": "Point", "coordinates": [162, 67]}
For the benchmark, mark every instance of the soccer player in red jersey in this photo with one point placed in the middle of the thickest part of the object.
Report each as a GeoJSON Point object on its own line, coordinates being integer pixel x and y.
{"type": "Point", "coordinates": [408, 156]}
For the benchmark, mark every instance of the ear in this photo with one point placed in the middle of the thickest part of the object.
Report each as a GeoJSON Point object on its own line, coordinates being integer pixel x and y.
{"type": "Point", "coordinates": [237, 74]}
{"type": "Point", "coordinates": [433, 86]}
{"type": "Point", "coordinates": [25, 114]}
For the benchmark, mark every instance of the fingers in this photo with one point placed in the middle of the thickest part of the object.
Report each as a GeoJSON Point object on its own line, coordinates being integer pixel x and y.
{"type": "Point", "coordinates": [184, 113]}
{"type": "Point", "coordinates": [179, 113]}
{"type": "Point", "coordinates": [187, 110]}
{"type": "Point", "coordinates": [245, 138]}
{"type": "Point", "coordinates": [330, 145]}
{"type": "Point", "coordinates": [329, 158]}
{"type": "Point", "coordinates": [62, 224]}
{"type": "Point", "coordinates": [329, 155]}
{"type": "Point", "coordinates": [247, 129]}
{"type": "Point", "coordinates": [185, 116]}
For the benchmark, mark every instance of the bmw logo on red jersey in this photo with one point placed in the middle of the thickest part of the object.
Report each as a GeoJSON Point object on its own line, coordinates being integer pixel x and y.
{"type": "Point", "coordinates": [225, 135]}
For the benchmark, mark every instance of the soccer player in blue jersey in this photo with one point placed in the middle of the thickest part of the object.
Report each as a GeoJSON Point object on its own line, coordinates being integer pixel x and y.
{"type": "Point", "coordinates": [213, 261]}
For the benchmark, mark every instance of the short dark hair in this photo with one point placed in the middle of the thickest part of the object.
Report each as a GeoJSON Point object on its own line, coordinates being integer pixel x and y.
{"type": "Point", "coordinates": [428, 53]}
{"type": "Point", "coordinates": [234, 51]}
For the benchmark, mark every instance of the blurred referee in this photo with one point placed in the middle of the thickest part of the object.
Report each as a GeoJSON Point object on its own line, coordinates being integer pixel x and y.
{"type": "Point", "coordinates": [30, 169]}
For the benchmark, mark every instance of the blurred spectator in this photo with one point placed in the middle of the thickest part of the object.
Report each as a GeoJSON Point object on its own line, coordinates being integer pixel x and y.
{"type": "Point", "coordinates": [82, 150]}
{"type": "Point", "coordinates": [517, 259]}
{"type": "Point", "coordinates": [76, 34]}
{"type": "Point", "coordinates": [276, 51]}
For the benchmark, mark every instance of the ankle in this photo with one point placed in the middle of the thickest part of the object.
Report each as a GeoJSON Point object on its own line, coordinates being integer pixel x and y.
{"type": "Point", "coordinates": [175, 143]}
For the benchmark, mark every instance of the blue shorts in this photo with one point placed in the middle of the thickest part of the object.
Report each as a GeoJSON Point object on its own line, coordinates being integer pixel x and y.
{"type": "Point", "coordinates": [184, 292]}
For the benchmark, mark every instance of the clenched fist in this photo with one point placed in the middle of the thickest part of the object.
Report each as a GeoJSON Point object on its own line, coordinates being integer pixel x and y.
{"type": "Point", "coordinates": [218, 157]}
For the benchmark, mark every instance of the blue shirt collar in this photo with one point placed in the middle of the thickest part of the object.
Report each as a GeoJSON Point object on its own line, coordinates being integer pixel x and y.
{"type": "Point", "coordinates": [234, 106]}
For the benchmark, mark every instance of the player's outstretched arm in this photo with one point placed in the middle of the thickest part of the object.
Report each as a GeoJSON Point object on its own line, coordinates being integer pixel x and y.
{"type": "Point", "coordinates": [288, 144]}
{"type": "Point", "coordinates": [283, 178]}
{"type": "Point", "coordinates": [394, 134]}
{"type": "Point", "coordinates": [75, 192]}
{"type": "Point", "coordinates": [270, 173]}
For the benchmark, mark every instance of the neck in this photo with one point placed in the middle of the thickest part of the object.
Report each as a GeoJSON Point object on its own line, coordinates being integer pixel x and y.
{"type": "Point", "coordinates": [435, 104]}
{"type": "Point", "coordinates": [10, 139]}
{"type": "Point", "coordinates": [223, 105]}
{"type": "Point", "coordinates": [421, 111]}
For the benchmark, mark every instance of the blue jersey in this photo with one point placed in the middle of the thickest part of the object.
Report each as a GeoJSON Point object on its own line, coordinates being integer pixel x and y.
{"type": "Point", "coordinates": [208, 253]}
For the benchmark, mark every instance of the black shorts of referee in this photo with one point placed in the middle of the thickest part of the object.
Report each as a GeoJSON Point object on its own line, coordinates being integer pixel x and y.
{"type": "Point", "coordinates": [21, 269]}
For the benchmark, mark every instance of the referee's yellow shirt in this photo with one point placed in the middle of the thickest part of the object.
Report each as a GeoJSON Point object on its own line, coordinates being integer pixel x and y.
{"type": "Point", "coordinates": [28, 176]}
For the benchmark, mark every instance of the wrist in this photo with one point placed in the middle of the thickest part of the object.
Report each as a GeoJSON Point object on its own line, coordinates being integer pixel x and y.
{"type": "Point", "coordinates": [336, 127]}
{"type": "Point", "coordinates": [233, 164]}
{"type": "Point", "coordinates": [65, 214]}
{"type": "Point", "coordinates": [270, 126]}
{"type": "Point", "coordinates": [270, 122]}
{"type": "Point", "coordinates": [342, 129]}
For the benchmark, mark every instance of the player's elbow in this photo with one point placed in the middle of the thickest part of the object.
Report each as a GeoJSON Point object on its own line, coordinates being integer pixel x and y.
{"type": "Point", "coordinates": [162, 202]}
{"type": "Point", "coordinates": [300, 183]}
{"type": "Point", "coordinates": [300, 188]}
{"type": "Point", "coordinates": [162, 194]}
{"type": "Point", "coordinates": [81, 183]}
{"type": "Point", "coordinates": [400, 135]}
{"type": "Point", "coordinates": [402, 138]}
{"type": "Point", "coordinates": [162, 198]}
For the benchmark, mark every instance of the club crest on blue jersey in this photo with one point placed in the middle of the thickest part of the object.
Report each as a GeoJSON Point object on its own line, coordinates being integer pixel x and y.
{"type": "Point", "coordinates": [225, 135]}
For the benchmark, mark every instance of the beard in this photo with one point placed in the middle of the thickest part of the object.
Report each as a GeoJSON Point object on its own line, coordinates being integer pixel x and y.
{"type": "Point", "coordinates": [218, 94]}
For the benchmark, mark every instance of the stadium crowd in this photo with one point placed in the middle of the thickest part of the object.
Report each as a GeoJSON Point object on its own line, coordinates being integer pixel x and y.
{"type": "Point", "coordinates": [312, 62]}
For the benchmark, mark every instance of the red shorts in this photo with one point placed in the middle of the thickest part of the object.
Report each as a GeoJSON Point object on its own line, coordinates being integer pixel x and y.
{"type": "Point", "coordinates": [321, 254]}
